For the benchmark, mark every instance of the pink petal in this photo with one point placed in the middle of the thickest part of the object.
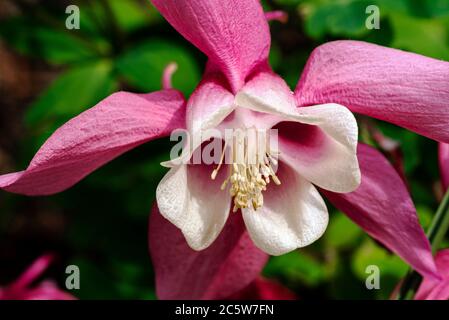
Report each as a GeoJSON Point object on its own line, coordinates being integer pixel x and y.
{"type": "Point", "coordinates": [192, 201]}
{"type": "Point", "coordinates": [403, 88]}
{"type": "Point", "coordinates": [264, 289]}
{"type": "Point", "coordinates": [119, 123]}
{"type": "Point", "coordinates": [436, 290]}
{"type": "Point", "coordinates": [383, 208]}
{"type": "Point", "coordinates": [47, 290]}
{"type": "Point", "coordinates": [209, 105]}
{"type": "Point", "coordinates": [233, 34]}
{"type": "Point", "coordinates": [230, 264]}
{"type": "Point", "coordinates": [444, 164]}
{"type": "Point", "coordinates": [21, 289]}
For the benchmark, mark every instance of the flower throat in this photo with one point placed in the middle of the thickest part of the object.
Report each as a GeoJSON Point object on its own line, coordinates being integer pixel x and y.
{"type": "Point", "coordinates": [251, 167]}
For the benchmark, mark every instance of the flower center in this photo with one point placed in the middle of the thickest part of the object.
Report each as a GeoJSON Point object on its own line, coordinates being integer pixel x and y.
{"type": "Point", "coordinates": [251, 167]}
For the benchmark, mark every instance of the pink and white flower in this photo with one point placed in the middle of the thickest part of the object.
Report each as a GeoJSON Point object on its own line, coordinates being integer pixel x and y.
{"type": "Point", "coordinates": [318, 149]}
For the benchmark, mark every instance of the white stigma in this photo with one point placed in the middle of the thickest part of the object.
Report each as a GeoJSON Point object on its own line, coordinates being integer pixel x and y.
{"type": "Point", "coordinates": [251, 167]}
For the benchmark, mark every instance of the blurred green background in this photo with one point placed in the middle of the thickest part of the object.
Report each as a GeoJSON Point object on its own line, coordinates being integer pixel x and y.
{"type": "Point", "coordinates": [49, 74]}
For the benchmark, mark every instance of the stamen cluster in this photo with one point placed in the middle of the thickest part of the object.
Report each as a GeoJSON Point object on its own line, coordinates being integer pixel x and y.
{"type": "Point", "coordinates": [251, 168]}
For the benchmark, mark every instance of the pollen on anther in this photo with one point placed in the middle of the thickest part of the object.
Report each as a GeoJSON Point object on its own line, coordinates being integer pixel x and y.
{"type": "Point", "coordinates": [250, 172]}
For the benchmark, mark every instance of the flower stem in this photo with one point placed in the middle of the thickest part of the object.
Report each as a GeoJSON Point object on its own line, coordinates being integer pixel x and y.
{"type": "Point", "coordinates": [436, 233]}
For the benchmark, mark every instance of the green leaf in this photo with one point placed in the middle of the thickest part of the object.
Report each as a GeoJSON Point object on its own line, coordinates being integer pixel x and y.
{"type": "Point", "coordinates": [132, 15]}
{"type": "Point", "coordinates": [371, 254]}
{"type": "Point", "coordinates": [73, 92]}
{"type": "Point", "coordinates": [341, 18]}
{"type": "Point", "coordinates": [342, 233]}
{"type": "Point", "coordinates": [288, 2]}
{"type": "Point", "coordinates": [129, 15]}
{"type": "Point", "coordinates": [275, 56]}
{"type": "Point", "coordinates": [391, 7]}
{"type": "Point", "coordinates": [37, 40]}
{"type": "Point", "coordinates": [391, 267]}
{"type": "Point", "coordinates": [296, 267]}
{"type": "Point", "coordinates": [437, 8]}
{"type": "Point", "coordinates": [143, 66]}
{"type": "Point", "coordinates": [424, 36]}
{"type": "Point", "coordinates": [133, 280]}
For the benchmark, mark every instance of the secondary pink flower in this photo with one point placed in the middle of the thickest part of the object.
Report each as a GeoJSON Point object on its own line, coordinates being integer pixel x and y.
{"type": "Point", "coordinates": [23, 289]}
{"type": "Point", "coordinates": [443, 154]}
{"type": "Point", "coordinates": [431, 289]}
{"type": "Point", "coordinates": [317, 140]}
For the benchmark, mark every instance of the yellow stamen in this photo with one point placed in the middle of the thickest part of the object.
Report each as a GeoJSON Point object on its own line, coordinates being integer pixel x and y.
{"type": "Point", "coordinates": [249, 173]}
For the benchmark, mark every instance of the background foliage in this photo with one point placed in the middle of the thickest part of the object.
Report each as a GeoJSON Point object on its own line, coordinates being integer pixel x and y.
{"type": "Point", "coordinates": [49, 74]}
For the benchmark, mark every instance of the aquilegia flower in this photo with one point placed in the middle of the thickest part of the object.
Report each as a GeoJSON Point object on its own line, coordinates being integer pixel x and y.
{"type": "Point", "coordinates": [317, 148]}
{"type": "Point", "coordinates": [23, 288]}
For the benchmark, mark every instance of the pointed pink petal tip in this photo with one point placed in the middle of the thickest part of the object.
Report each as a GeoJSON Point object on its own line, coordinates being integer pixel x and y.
{"type": "Point", "coordinates": [233, 34]}
{"type": "Point", "coordinates": [23, 288]}
{"type": "Point", "coordinates": [382, 206]}
{"type": "Point", "coordinates": [432, 289]}
{"type": "Point", "coordinates": [34, 271]}
{"type": "Point", "coordinates": [403, 88]}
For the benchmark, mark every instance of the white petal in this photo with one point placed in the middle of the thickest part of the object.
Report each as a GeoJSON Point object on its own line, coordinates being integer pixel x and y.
{"type": "Point", "coordinates": [193, 202]}
{"type": "Point", "coordinates": [208, 106]}
{"type": "Point", "coordinates": [268, 93]}
{"type": "Point", "coordinates": [293, 215]}
{"type": "Point", "coordinates": [332, 164]}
